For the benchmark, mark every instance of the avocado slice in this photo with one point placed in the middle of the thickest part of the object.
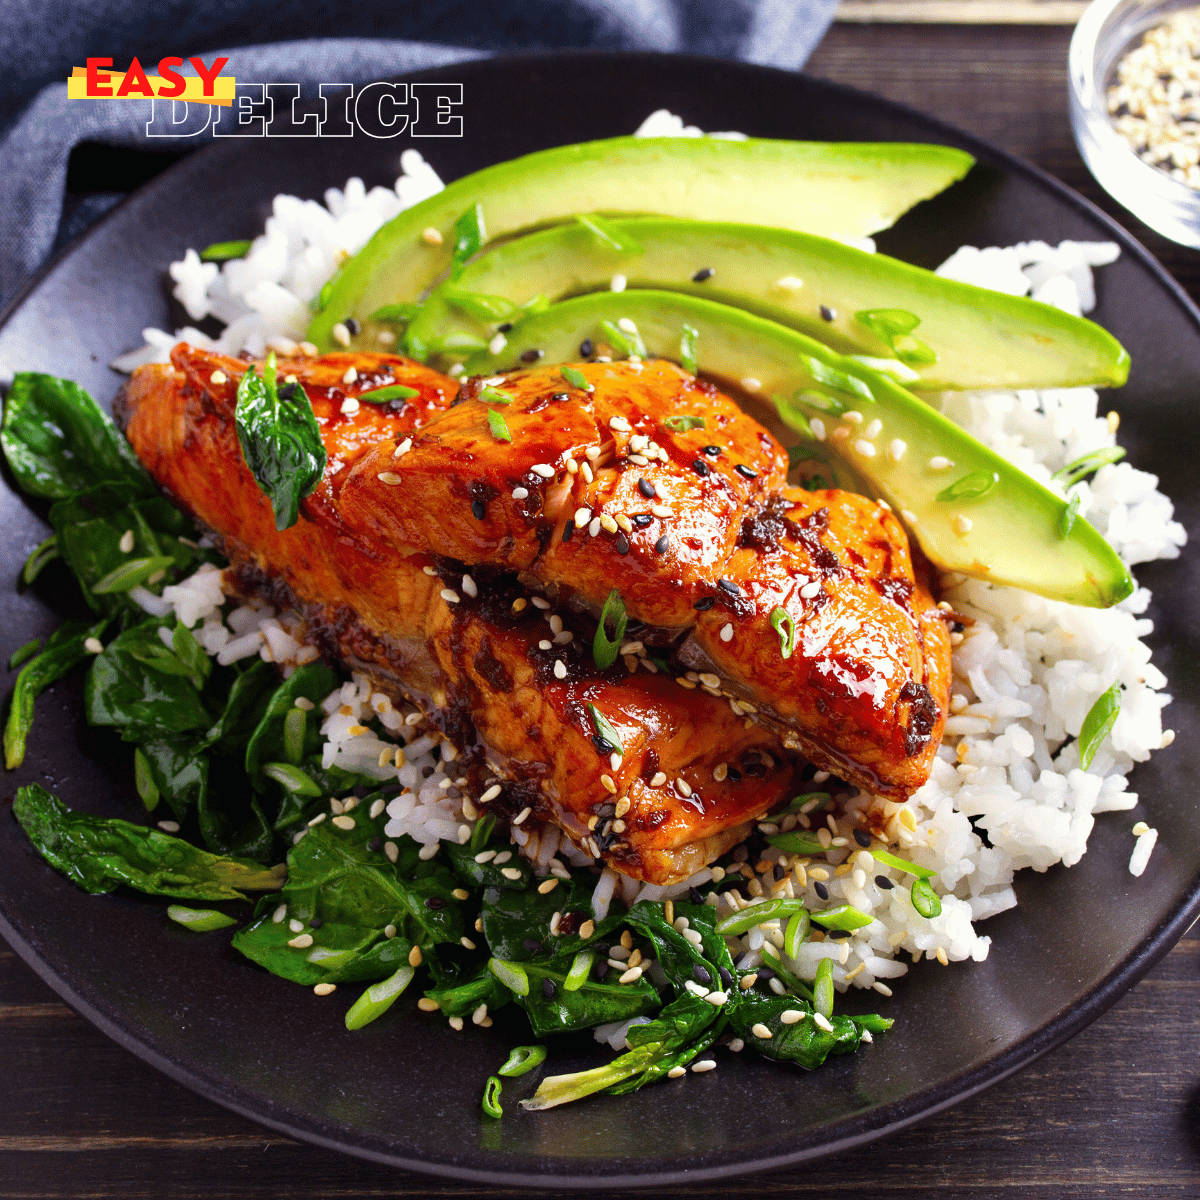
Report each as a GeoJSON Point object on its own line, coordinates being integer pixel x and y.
{"type": "Point", "coordinates": [1001, 525]}
{"type": "Point", "coordinates": [844, 189]}
{"type": "Point", "coordinates": [981, 338]}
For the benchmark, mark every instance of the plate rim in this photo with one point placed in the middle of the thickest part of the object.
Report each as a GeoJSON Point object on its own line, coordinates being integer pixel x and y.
{"type": "Point", "coordinates": [862, 1129]}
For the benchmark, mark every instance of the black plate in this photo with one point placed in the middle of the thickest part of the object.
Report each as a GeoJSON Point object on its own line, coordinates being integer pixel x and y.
{"type": "Point", "coordinates": [406, 1089]}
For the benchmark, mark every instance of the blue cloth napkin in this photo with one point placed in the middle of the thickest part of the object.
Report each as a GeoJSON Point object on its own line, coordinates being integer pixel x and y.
{"type": "Point", "coordinates": [39, 128]}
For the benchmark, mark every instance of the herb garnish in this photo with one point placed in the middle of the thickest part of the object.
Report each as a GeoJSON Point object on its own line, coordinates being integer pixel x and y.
{"type": "Point", "coordinates": [604, 731]}
{"type": "Point", "coordinates": [493, 395]}
{"type": "Point", "coordinates": [280, 442]}
{"type": "Point", "coordinates": [576, 379]}
{"type": "Point", "coordinates": [683, 424]}
{"type": "Point", "coordinates": [1096, 725]}
{"type": "Point", "coordinates": [925, 900]}
{"type": "Point", "coordinates": [1073, 472]}
{"type": "Point", "coordinates": [393, 391]}
{"type": "Point", "coordinates": [622, 341]}
{"type": "Point", "coordinates": [783, 625]}
{"type": "Point", "coordinates": [469, 236]}
{"type": "Point", "coordinates": [687, 348]}
{"type": "Point", "coordinates": [498, 426]}
{"type": "Point", "coordinates": [970, 487]}
{"type": "Point", "coordinates": [895, 326]}
{"type": "Point", "coordinates": [224, 251]}
{"type": "Point", "coordinates": [609, 236]}
{"type": "Point", "coordinates": [604, 650]}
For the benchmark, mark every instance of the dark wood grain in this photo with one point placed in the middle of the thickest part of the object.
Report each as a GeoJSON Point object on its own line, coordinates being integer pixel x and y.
{"type": "Point", "coordinates": [1114, 1112]}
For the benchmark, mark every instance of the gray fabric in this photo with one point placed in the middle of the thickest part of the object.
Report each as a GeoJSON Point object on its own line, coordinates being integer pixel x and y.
{"type": "Point", "coordinates": [37, 142]}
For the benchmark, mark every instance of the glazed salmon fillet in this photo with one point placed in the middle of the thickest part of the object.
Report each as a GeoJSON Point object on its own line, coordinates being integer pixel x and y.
{"type": "Point", "coordinates": [803, 610]}
{"type": "Point", "coordinates": [692, 774]}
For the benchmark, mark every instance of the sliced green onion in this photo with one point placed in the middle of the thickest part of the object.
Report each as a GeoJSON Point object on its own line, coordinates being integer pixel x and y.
{"type": "Point", "coordinates": [687, 348]}
{"type": "Point", "coordinates": [318, 305]}
{"type": "Point", "coordinates": [46, 553]}
{"type": "Point", "coordinates": [799, 422]}
{"type": "Point", "coordinates": [378, 998]}
{"type": "Point", "coordinates": [796, 842]}
{"type": "Point", "coordinates": [202, 920]}
{"type": "Point", "coordinates": [925, 900]}
{"type": "Point", "coordinates": [1070, 513]}
{"type": "Point", "coordinates": [823, 988]}
{"type": "Point", "coordinates": [396, 314]}
{"type": "Point", "coordinates": [795, 933]}
{"type": "Point", "coordinates": [844, 916]}
{"type": "Point", "coordinates": [224, 251]}
{"type": "Point", "coordinates": [1073, 472]}
{"type": "Point", "coordinates": [756, 914]}
{"type": "Point", "coordinates": [511, 974]}
{"type": "Point", "coordinates": [798, 802]}
{"type": "Point", "coordinates": [143, 780]}
{"type": "Point", "coordinates": [499, 426]}
{"type": "Point", "coordinates": [479, 305]}
{"type": "Point", "coordinates": [902, 864]}
{"type": "Point", "coordinates": [576, 378]}
{"type": "Point", "coordinates": [24, 653]}
{"type": "Point", "coordinates": [683, 424]}
{"type": "Point", "coordinates": [493, 395]}
{"type": "Point", "coordinates": [469, 236]}
{"type": "Point", "coordinates": [913, 352]}
{"type": "Point", "coordinates": [581, 968]}
{"type": "Point", "coordinates": [394, 391]}
{"type": "Point", "coordinates": [604, 649]}
{"type": "Point", "coordinates": [292, 778]}
{"type": "Point", "coordinates": [783, 625]}
{"type": "Point", "coordinates": [970, 487]}
{"type": "Point", "coordinates": [538, 304]}
{"type": "Point", "coordinates": [610, 237]}
{"type": "Point", "coordinates": [295, 726]}
{"type": "Point", "coordinates": [622, 341]}
{"type": "Point", "coordinates": [482, 832]}
{"type": "Point", "coordinates": [523, 1059]}
{"type": "Point", "coordinates": [491, 1096]}
{"type": "Point", "coordinates": [604, 730]}
{"type": "Point", "coordinates": [838, 380]}
{"type": "Point", "coordinates": [461, 343]}
{"type": "Point", "coordinates": [1097, 724]}
{"type": "Point", "coordinates": [830, 405]}
{"type": "Point", "coordinates": [129, 574]}
{"type": "Point", "coordinates": [888, 322]}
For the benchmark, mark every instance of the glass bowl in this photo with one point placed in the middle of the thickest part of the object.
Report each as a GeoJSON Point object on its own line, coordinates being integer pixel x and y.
{"type": "Point", "coordinates": [1107, 29]}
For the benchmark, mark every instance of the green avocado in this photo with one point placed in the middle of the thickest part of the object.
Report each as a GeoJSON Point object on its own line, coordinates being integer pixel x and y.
{"type": "Point", "coordinates": [981, 338]}
{"type": "Point", "coordinates": [970, 510]}
{"type": "Point", "coordinates": [842, 189]}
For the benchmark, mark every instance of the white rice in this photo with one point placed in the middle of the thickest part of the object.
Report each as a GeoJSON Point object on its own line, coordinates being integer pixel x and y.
{"type": "Point", "coordinates": [1025, 674]}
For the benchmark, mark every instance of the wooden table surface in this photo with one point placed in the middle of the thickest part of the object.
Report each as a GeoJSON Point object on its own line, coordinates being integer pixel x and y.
{"type": "Point", "coordinates": [1114, 1112]}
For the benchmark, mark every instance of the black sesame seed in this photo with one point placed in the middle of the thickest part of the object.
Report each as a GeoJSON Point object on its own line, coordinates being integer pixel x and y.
{"type": "Point", "coordinates": [704, 603]}
{"type": "Point", "coordinates": [532, 946]}
{"type": "Point", "coordinates": [838, 934]}
{"type": "Point", "coordinates": [505, 328]}
{"type": "Point", "coordinates": [561, 396]}
{"type": "Point", "coordinates": [765, 973]}
{"type": "Point", "coordinates": [712, 451]}
{"type": "Point", "coordinates": [821, 890]}
{"type": "Point", "coordinates": [703, 274]}
{"type": "Point", "coordinates": [376, 843]}
{"type": "Point", "coordinates": [727, 585]}
{"type": "Point", "coordinates": [745, 472]}
{"type": "Point", "coordinates": [315, 923]}
{"type": "Point", "coordinates": [827, 313]}
{"type": "Point", "coordinates": [694, 895]}
{"type": "Point", "coordinates": [568, 531]}
{"type": "Point", "coordinates": [622, 544]}
{"type": "Point", "coordinates": [287, 391]}
{"type": "Point", "coordinates": [700, 467]}
{"type": "Point", "coordinates": [884, 882]}
{"type": "Point", "coordinates": [586, 349]}
{"type": "Point", "coordinates": [660, 547]}
{"type": "Point", "coordinates": [641, 520]}
{"type": "Point", "coordinates": [602, 968]}
{"type": "Point", "coordinates": [863, 838]}
{"type": "Point", "coordinates": [734, 775]}
{"type": "Point", "coordinates": [531, 356]}
{"type": "Point", "coordinates": [360, 791]}
{"type": "Point", "coordinates": [352, 326]}
{"type": "Point", "coordinates": [779, 872]}
{"type": "Point", "coordinates": [478, 509]}
{"type": "Point", "coordinates": [391, 789]}
{"type": "Point", "coordinates": [435, 902]}
{"type": "Point", "coordinates": [702, 975]}
{"type": "Point", "coordinates": [548, 988]}
{"type": "Point", "coordinates": [645, 487]}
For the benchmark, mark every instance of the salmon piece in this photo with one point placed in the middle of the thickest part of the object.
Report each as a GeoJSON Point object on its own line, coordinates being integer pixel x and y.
{"type": "Point", "coordinates": [474, 665]}
{"type": "Point", "coordinates": [657, 485]}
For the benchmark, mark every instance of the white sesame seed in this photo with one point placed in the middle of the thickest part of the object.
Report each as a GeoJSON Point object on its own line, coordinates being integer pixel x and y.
{"type": "Point", "coordinates": [658, 780]}
{"type": "Point", "coordinates": [386, 337]}
{"type": "Point", "coordinates": [896, 449]}
{"type": "Point", "coordinates": [430, 571]}
{"type": "Point", "coordinates": [343, 822]}
{"type": "Point", "coordinates": [910, 517]}
{"type": "Point", "coordinates": [349, 406]}
{"type": "Point", "coordinates": [631, 976]}
{"type": "Point", "coordinates": [818, 428]}
{"type": "Point", "coordinates": [302, 942]}
{"type": "Point", "coordinates": [727, 632]}
{"type": "Point", "coordinates": [882, 988]}
{"type": "Point", "coordinates": [962, 524]}
{"type": "Point", "coordinates": [809, 590]}
{"type": "Point", "coordinates": [93, 645]}
{"type": "Point", "coordinates": [710, 680]}
{"type": "Point", "coordinates": [490, 794]}
{"type": "Point", "coordinates": [626, 325]}
{"type": "Point", "coordinates": [341, 334]}
{"type": "Point", "coordinates": [608, 524]}
{"type": "Point", "coordinates": [545, 470]}
{"type": "Point", "coordinates": [469, 586]}
{"type": "Point", "coordinates": [323, 989]}
{"type": "Point", "coordinates": [717, 998]}
{"type": "Point", "coordinates": [865, 448]}
{"type": "Point", "coordinates": [1167, 738]}
{"type": "Point", "coordinates": [661, 510]}
{"type": "Point", "coordinates": [751, 384]}
{"type": "Point", "coordinates": [821, 1021]}
{"type": "Point", "coordinates": [624, 523]}
{"type": "Point", "coordinates": [761, 1031]}
{"type": "Point", "coordinates": [940, 463]}
{"type": "Point", "coordinates": [676, 1072]}
{"type": "Point", "coordinates": [874, 429]}
{"type": "Point", "coordinates": [618, 283]}
{"type": "Point", "coordinates": [317, 820]}
{"type": "Point", "coordinates": [853, 417]}
{"type": "Point", "coordinates": [351, 375]}
{"type": "Point", "coordinates": [608, 784]}
{"type": "Point", "coordinates": [789, 283]}
{"type": "Point", "coordinates": [737, 1045]}
{"type": "Point", "coordinates": [513, 873]}
{"type": "Point", "coordinates": [521, 817]}
{"type": "Point", "coordinates": [391, 850]}
{"type": "Point", "coordinates": [1140, 828]}
{"type": "Point", "coordinates": [560, 669]}
{"type": "Point", "coordinates": [169, 826]}
{"type": "Point", "coordinates": [296, 926]}
{"type": "Point", "coordinates": [585, 470]}
{"type": "Point", "coordinates": [390, 478]}
{"type": "Point", "coordinates": [594, 527]}
{"type": "Point", "coordinates": [497, 343]}
{"type": "Point", "coordinates": [582, 517]}
{"type": "Point", "coordinates": [572, 467]}
{"type": "Point", "coordinates": [545, 644]}
{"type": "Point", "coordinates": [430, 236]}
{"type": "Point", "coordinates": [619, 424]}
{"type": "Point", "coordinates": [450, 597]}
{"type": "Point", "coordinates": [479, 1015]}
{"type": "Point", "coordinates": [540, 602]}
{"type": "Point", "coordinates": [705, 1064]}
{"type": "Point", "coordinates": [377, 808]}
{"type": "Point", "coordinates": [218, 377]}
{"type": "Point", "coordinates": [520, 493]}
